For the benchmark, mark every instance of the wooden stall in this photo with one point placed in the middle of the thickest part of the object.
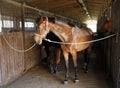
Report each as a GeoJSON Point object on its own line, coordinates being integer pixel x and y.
{"type": "Point", "coordinates": [116, 44]}
{"type": "Point", "coordinates": [16, 35]}
{"type": "Point", "coordinates": [111, 47]}
{"type": "Point", "coordinates": [14, 63]}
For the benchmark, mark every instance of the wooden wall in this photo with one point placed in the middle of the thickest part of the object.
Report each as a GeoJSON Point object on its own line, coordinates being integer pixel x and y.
{"type": "Point", "coordinates": [13, 63]}
{"type": "Point", "coordinates": [116, 44]}
{"type": "Point", "coordinates": [112, 46]}
{"type": "Point", "coordinates": [32, 56]}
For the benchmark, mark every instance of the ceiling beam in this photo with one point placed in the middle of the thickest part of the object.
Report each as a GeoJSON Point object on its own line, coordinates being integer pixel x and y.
{"type": "Point", "coordinates": [59, 3]}
{"type": "Point", "coordinates": [81, 3]}
{"type": "Point", "coordinates": [64, 5]}
{"type": "Point", "coordinates": [99, 2]}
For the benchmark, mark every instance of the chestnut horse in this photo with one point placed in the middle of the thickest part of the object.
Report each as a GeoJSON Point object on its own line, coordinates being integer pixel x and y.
{"type": "Point", "coordinates": [71, 38]}
{"type": "Point", "coordinates": [107, 25]}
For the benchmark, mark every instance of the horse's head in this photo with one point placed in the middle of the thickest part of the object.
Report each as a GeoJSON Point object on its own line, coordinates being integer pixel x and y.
{"type": "Point", "coordinates": [42, 30]}
{"type": "Point", "coordinates": [107, 25]}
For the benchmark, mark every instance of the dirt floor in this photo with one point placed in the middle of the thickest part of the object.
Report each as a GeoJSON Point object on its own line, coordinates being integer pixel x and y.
{"type": "Point", "coordinates": [40, 77]}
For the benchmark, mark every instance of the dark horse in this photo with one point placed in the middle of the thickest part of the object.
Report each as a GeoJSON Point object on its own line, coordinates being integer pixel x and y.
{"type": "Point", "coordinates": [52, 60]}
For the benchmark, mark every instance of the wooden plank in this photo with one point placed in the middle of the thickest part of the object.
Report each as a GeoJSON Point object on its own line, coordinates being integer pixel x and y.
{"type": "Point", "coordinates": [0, 63]}
{"type": "Point", "coordinates": [12, 62]}
{"type": "Point", "coordinates": [31, 57]}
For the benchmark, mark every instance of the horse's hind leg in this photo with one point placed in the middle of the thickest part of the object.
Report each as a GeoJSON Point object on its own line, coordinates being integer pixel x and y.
{"type": "Point", "coordinates": [86, 59]}
{"type": "Point", "coordinates": [49, 59]}
{"type": "Point", "coordinates": [74, 55]}
{"type": "Point", "coordinates": [57, 64]}
{"type": "Point", "coordinates": [48, 55]}
{"type": "Point", "coordinates": [58, 51]}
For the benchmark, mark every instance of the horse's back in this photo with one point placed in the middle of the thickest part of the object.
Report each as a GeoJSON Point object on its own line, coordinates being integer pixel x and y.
{"type": "Point", "coordinates": [82, 32]}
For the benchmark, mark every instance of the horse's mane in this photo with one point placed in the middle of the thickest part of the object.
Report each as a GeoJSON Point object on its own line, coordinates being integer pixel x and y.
{"type": "Point", "coordinates": [61, 23]}
{"type": "Point", "coordinates": [69, 23]}
{"type": "Point", "coordinates": [72, 24]}
{"type": "Point", "coordinates": [54, 20]}
{"type": "Point", "coordinates": [50, 19]}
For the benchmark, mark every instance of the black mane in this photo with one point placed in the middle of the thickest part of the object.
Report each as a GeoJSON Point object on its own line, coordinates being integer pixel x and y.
{"type": "Point", "coordinates": [50, 19]}
{"type": "Point", "coordinates": [72, 24]}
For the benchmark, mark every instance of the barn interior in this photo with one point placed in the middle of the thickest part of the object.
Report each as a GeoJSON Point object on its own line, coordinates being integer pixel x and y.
{"type": "Point", "coordinates": [21, 63]}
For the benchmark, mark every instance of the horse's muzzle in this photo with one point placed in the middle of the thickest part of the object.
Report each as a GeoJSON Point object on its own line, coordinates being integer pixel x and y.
{"type": "Point", "coordinates": [39, 42]}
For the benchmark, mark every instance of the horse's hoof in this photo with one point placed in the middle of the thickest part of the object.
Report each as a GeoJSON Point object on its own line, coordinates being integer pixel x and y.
{"type": "Point", "coordinates": [57, 68]}
{"type": "Point", "coordinates": [56, 71]}
{"type": "Point", "coordinates": [86, 71]}
{"type": "Point", "coordinates": [65, 81]}
{"type": "Point", "coordinates": [52, 72]}
{"type": "Point", "coordinates": [76, 81]}
{"type": "Point", "coordinates": [51, 69]}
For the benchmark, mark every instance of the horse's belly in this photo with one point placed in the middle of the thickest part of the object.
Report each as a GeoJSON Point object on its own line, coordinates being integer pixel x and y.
{"type": "Point", "coordinates": [82, 47]}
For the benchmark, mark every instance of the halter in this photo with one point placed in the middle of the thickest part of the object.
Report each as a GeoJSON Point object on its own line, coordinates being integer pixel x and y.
{"type": "Point", "coordinates": [39, 35]}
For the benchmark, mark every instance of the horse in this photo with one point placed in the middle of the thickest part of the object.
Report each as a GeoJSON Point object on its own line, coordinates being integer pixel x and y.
{"type": "Point", "coordinates": [106, 30]}
{"type": "Point", "coordinates": [72, 41]}
{"type": "Point", "coordinates": [107, 25]}
{"type": "Point", "coordinates": [52, 62]}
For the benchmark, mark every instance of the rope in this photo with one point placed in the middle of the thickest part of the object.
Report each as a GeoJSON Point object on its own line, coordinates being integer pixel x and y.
{"type": "Point", "coordinates": [55, 42]}
{"type": "Point", "coordinates": [82, 42]}
{"type": "Point", "coordinates": [21, 51]}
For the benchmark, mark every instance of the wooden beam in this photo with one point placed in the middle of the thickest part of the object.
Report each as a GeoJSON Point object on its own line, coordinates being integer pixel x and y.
{"type": "Point", "coordinates": [64, 5]}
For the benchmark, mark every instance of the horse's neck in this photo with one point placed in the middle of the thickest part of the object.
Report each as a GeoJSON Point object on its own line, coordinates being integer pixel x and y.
{"type": "Point", "coordinates": [61, 31]}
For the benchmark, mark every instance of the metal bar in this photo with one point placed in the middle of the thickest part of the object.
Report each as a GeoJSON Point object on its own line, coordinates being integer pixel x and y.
{"type": "Point", "coordinates": [23, 30]}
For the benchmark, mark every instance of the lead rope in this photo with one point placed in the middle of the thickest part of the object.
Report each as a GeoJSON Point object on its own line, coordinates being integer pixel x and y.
{"type": "Point", "coordinates": [56, 42]}
{"type": "Point", "coordinates": [96, 40]}
{"type": "Point", "coordinates": [21, 51]}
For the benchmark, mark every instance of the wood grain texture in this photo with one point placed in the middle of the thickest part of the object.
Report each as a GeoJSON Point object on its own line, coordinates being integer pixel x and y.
{"type": "Point", "coordinates": [13, 63]}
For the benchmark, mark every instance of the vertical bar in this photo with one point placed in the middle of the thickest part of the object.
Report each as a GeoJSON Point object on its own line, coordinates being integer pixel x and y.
{"type": "Point", "coordinates": [0, 47]}
{"type": "Point", "coordinates": [23, 31]}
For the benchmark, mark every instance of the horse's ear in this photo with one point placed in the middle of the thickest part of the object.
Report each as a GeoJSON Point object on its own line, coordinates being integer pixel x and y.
{"type": "Point", "coordinates": [108, 18]}
{"type": "Point", "coordinates": [41, 18]}
{"type": "Point", "coordinates": [46, 18]}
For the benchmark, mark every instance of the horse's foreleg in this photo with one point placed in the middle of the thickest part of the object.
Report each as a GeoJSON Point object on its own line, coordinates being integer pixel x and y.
{"type": "Point", "coordinates": [48, 54]}
{"type": "Point", "coordinates": [86, 59]}
{"type": "Point", "coordinates": [66, 66]}
{"type": "Point", "coordinates": [74, 55]}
